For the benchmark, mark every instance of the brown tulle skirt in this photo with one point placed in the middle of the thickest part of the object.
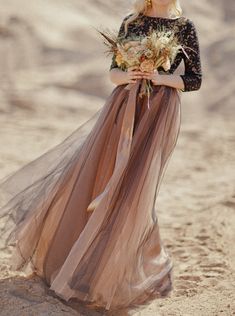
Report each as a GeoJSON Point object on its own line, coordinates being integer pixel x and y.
{"type": "Point", "coordinates": [83, 215]}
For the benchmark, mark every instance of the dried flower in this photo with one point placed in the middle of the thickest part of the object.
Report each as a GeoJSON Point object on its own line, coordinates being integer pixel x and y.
{"type": "Point", "coordinates": [157, 49]}
{"type": "Point", "coordinates": [147, 65]}
{"type": "Point", "coordinates": [119, 59]}
{"type": "Point", "coordinates": [167, 64]}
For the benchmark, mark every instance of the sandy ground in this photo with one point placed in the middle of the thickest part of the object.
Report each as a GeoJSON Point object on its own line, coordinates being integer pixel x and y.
{"type": "Point", "coordinates": [49, 54]}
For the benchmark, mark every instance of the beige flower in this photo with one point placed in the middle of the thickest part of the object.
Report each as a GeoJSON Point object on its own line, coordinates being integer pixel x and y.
{"type": "Point", "coordinates": [144, 41]}
{"type": "Point", "coordinates": [167, 64]}
{"type": "Point", "coordinates": [148, 53]}
{"type": "Point", "coordinates": [147, 65]}
{"type": "Point", "coordinates": [119, 58]}
{"type": "Point", "coordinates": [134, 43]}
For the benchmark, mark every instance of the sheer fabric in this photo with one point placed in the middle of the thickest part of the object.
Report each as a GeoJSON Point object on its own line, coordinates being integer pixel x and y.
{"type": "Point", "coordinates": [83, 215]}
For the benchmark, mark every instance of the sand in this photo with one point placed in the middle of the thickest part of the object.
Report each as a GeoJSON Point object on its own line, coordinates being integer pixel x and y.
{"type": "Point", "coordinates": [55, 76]}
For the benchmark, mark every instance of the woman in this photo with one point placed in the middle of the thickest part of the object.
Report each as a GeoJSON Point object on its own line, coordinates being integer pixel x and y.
{"type": "Point", "coordinates": [83, 215]}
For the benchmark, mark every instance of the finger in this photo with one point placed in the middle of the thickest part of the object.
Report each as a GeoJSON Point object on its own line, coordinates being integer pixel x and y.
{"type": "Point", "coordinates": [148, 77]}
{"type": "Point", "coordinates": [132, 81]}
{"type": "Point", "coordinates": [136, 73]}
{"type": "Point", "coordinates": [147, 73]}
{"type": "Point", "coordinates": [136, 77]}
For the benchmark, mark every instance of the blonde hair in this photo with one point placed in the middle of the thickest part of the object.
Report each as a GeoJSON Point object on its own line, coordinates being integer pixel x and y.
{"type": "Point", "coordinates": [140, 7]}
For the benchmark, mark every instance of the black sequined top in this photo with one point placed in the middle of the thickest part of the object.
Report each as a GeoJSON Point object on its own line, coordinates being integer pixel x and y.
{"type": "Point", "coordinates": [187, 35]}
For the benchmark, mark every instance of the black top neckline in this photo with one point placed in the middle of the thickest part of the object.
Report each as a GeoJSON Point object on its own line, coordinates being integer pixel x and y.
{"type": "Point", "coordinates": [159, 17]}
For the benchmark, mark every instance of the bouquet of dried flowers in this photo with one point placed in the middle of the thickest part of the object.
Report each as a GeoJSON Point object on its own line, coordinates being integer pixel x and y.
{"type": "Point", "coordinates": [148, 53]}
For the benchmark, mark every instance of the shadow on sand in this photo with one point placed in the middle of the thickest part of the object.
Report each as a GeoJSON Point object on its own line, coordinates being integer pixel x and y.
{"type": "Point", "coordinates": [33, 297]}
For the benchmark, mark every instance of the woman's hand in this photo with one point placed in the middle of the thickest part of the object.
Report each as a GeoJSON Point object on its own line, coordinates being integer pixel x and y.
{"type": "Point", "coordinates": [120, 77]}
{"type": "Point", "coordinates": [170, 80]}
{"type": "Point", "coordinates": [133, 74]}
{"type": "Point", "coordinates": [154, 76]}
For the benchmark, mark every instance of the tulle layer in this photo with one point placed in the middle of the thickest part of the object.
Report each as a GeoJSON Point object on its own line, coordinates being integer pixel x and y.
{"type": "Point", "coordinates": [83, 215]}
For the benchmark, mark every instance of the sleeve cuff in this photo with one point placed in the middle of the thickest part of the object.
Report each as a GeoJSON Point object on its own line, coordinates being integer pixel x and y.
{"type": "Point", "coordinates": [184, 81]}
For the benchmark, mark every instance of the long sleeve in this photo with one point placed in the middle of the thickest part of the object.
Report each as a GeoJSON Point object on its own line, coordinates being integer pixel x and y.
{"type": "Point", "coordinates": [192, 77]}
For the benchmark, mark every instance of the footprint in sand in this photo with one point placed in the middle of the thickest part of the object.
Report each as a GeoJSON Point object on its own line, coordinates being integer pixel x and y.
{"type": "Point", "coordinates": [229, 203]}
{"type": "Point", "coordinates": [213, 270]}
{"type": "Point", "coordinates": [193, 278]}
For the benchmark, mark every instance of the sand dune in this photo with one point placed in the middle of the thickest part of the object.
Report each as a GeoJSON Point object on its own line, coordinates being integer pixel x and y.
{"type": "Point", "coordinates": [54, 77]}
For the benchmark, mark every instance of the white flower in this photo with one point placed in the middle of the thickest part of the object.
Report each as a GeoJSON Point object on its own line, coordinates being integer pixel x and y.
{"type": "Point", "coordinates": [167, 64]}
